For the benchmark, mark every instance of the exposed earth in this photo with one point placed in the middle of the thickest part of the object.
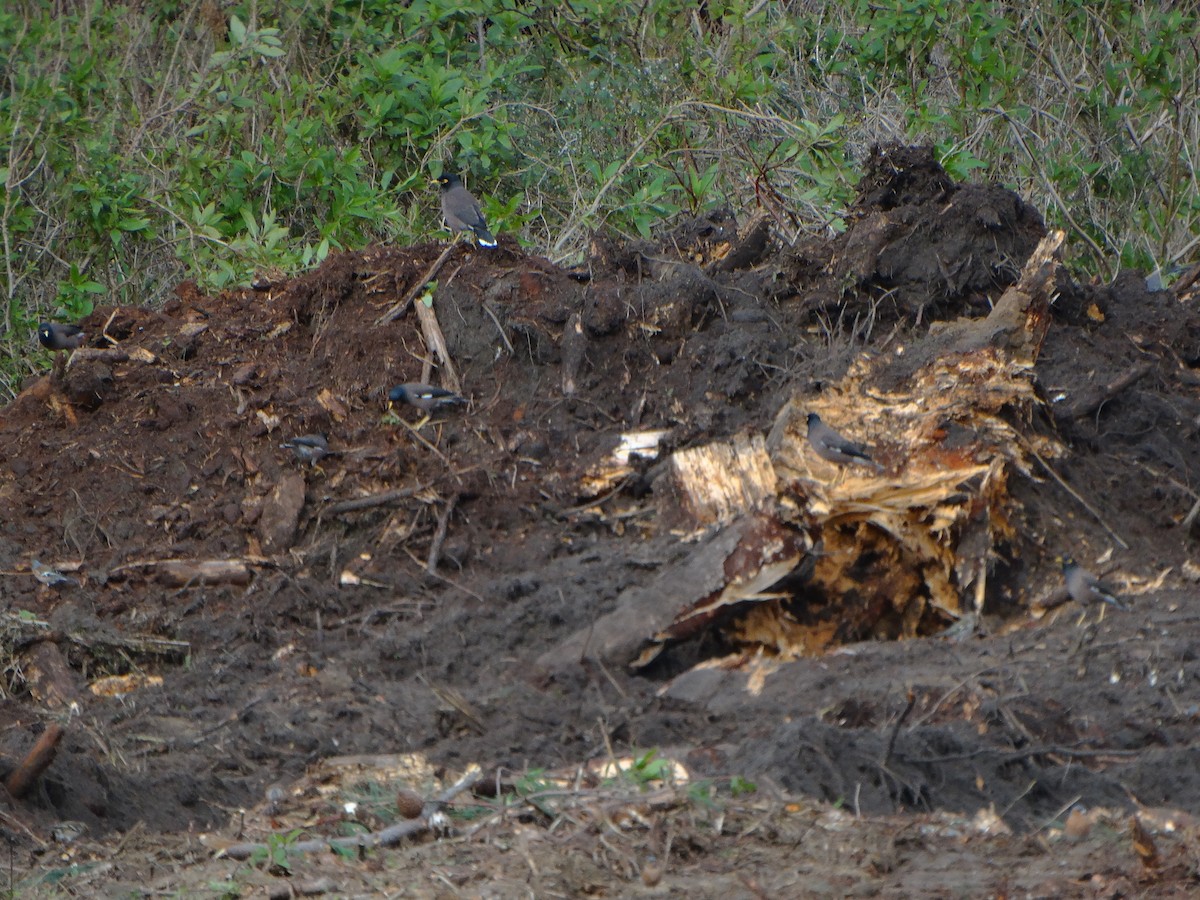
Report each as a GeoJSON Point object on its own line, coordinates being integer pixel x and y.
{"type": "Point", "coordinates": [427, 597]}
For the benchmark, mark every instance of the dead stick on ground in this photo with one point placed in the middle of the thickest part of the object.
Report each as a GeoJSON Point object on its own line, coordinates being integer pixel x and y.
{"type": "Point", "coordinates": [383, 499]}
{"type": "Point", "coordinates": [1191, 516]}
{"type": "Point", "coordinates": [35, 762]}
{"type": "Point", "coordinates": [1093, 400]}
{"type": "Point", "coordinates": [437, 342]}
{"type": "Point", "coordinates": [1070, 490]}
{"type": "Point", "coordinates": [428, 446]}
{"type": "Point", "coordinates": [399, 309]}
{"type": "Point", "coordinates": [439, 535]}
{"type": "Point", "coordinates": [891, 744]}
{"type": "Point", "coordinates": [385, 838]}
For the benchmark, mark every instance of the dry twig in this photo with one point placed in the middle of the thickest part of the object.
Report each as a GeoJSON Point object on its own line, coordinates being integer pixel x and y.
{"type": "Point", "coordinates": [401, 307]}
{"type": "Point", "coordinates": [388, 837]}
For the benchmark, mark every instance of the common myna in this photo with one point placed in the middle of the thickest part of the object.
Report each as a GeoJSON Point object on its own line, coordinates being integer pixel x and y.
{"type": "Point", "coordinates": [426, 397]}
{"type": "Point", "coordinates": [48, 576]}
{"type": "Point", "coordinates": [55, 336]}
{"type": "Point", "coordinates": [1085, 588]}
{"type": "Point", "coordinates": [461, 210]}
{"type": "Point", "coordinates": [832, 446]}
{"type": "Point", "coordinates": [309, 448]}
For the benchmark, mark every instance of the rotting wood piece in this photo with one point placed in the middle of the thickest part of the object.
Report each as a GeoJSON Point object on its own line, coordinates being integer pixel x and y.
{"type": "Point", "coordinates": [574, 350]}
{"type": "Point", "coordinates": [19, 632]}
{"type": "Point", "coordinates": [51, 681]}
{"type": "Point", "coordinates": [280, 518]}
{"type": "Point", "coordinates": [732, 566]}
{"type": "Point", "coordinates": [22, 778]}
{"type": "Point", "coordinates": [436, 341]}
{"type": "Point", "coordinates": [185, 572]}
{"type": "Point", "coordinates": [715, 483]}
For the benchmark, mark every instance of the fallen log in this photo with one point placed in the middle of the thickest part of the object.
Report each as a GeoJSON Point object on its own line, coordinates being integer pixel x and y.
{"type": "Point", "coordinates": [730, 567]}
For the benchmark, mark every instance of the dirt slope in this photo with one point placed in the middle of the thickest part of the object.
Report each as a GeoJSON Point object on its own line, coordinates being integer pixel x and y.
{"type": "Point", "coordinates": [327, 636]}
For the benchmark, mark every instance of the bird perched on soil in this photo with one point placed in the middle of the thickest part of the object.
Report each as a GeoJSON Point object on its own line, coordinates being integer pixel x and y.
{"type": "Point", "coordinates": [309, 448]}
{"type": "Point", "coordinates": [1085, 588]}
{"type": "Point", "coordinates": [461, 210]}
{"type": "Point", "coordinates": [832, 446]}
{"type": "Point", "coordinates": [426, 397]}
{"type": "Point", "coordinates": [49, 576]}
{"type": "Point", "coordinates": [55, 336]}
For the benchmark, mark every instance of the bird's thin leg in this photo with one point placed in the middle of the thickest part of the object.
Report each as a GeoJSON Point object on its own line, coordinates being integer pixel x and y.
{"type": "Point", "coordinates": [424, 421]}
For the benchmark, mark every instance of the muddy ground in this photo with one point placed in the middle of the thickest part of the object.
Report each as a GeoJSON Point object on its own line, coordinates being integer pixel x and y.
{"type": "Point", "coordinates": [941, 766]}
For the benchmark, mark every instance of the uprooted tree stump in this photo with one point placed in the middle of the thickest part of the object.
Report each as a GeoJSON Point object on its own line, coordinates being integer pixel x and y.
{"type": "Point", "coordinates": [800, 555]}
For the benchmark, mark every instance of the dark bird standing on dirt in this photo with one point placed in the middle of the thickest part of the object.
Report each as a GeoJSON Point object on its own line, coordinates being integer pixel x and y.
{"type": "Point", "coordinates": [1085, 588]}
{"type": "Point", "coordinates": [48, 576]}
{"type": "Point", "coordinates": [832, 446]}
{"type": "Point", "coordinates": [461, 210]}
{"type": "Point", "coordinates": [309, 448]}
{"type": "Point", "coordinates": [55, 336]}
{"type": "Point", "coordinates": [427, 398]}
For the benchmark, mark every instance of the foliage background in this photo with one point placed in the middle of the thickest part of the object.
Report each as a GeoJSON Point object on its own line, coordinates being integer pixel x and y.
{"type": "Point", "coordinates": [145, 143]}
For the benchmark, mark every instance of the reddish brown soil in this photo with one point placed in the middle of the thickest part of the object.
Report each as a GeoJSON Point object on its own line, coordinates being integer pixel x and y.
{"type": "Point", "coordinates": [174, 458]}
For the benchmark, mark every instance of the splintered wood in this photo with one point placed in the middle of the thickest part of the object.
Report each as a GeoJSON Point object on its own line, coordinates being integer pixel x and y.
{"type": "Point", "coordinates": [717, 482]}
{"type": "Point", "coordinates": [802, 554]}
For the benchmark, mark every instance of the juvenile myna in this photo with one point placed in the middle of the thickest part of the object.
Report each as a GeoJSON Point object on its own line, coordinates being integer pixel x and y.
{"type": "Point", "coordinates": [1085, 588]}
{"type": "Point", "coordinates": [48, 576]}
{"type": "Point", "coordinates": [309, 448]}
{"type": "Point", "coordinates": [55, 336]}
{"type": "Point", "coordinates": [832, 446]}
{"type": "Point", "coordinates": [426, 397]}
{"type": "Point", "coordinates": [461, 210]}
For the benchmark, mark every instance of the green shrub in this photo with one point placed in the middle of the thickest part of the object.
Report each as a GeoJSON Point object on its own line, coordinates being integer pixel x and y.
{"type": "Point", "coordinates": [147, 143]}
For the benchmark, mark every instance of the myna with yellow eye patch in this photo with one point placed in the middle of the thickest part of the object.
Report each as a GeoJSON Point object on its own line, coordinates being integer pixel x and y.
{"type": "Point", "coordinates": [461, 210]}
{"type": "Point", "coordinates": [1085, 588]}
{"type": "Point", "coordinates": [309, 448]}
{"type": "Point", "coordinates": [56, 336]}
{"type": "Point", "coordinates": [426, 397]}
{"type": "Point", "coordinates": [835, 448]}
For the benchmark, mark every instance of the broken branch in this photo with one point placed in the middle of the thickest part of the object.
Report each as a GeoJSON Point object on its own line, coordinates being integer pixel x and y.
{"type": "Point", "coordinates": [385, 838]}
{"type": "Point", "coordinates": [1093, 399]}
{"type": "Point", "coordinates": [435, 340]}
{"type": "Point", "coordinates": [35, 762]}
{"type": "Point", "coordinates": [439, 535]}
{"type": "Point", "coordinates": [183, 572]}
{"type": "Point", "coordinates": [382, 499]}
{"type": "Point", "coordinates": [1070, 490]}
{"type": "Point", "coordinates": [400, 308]}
